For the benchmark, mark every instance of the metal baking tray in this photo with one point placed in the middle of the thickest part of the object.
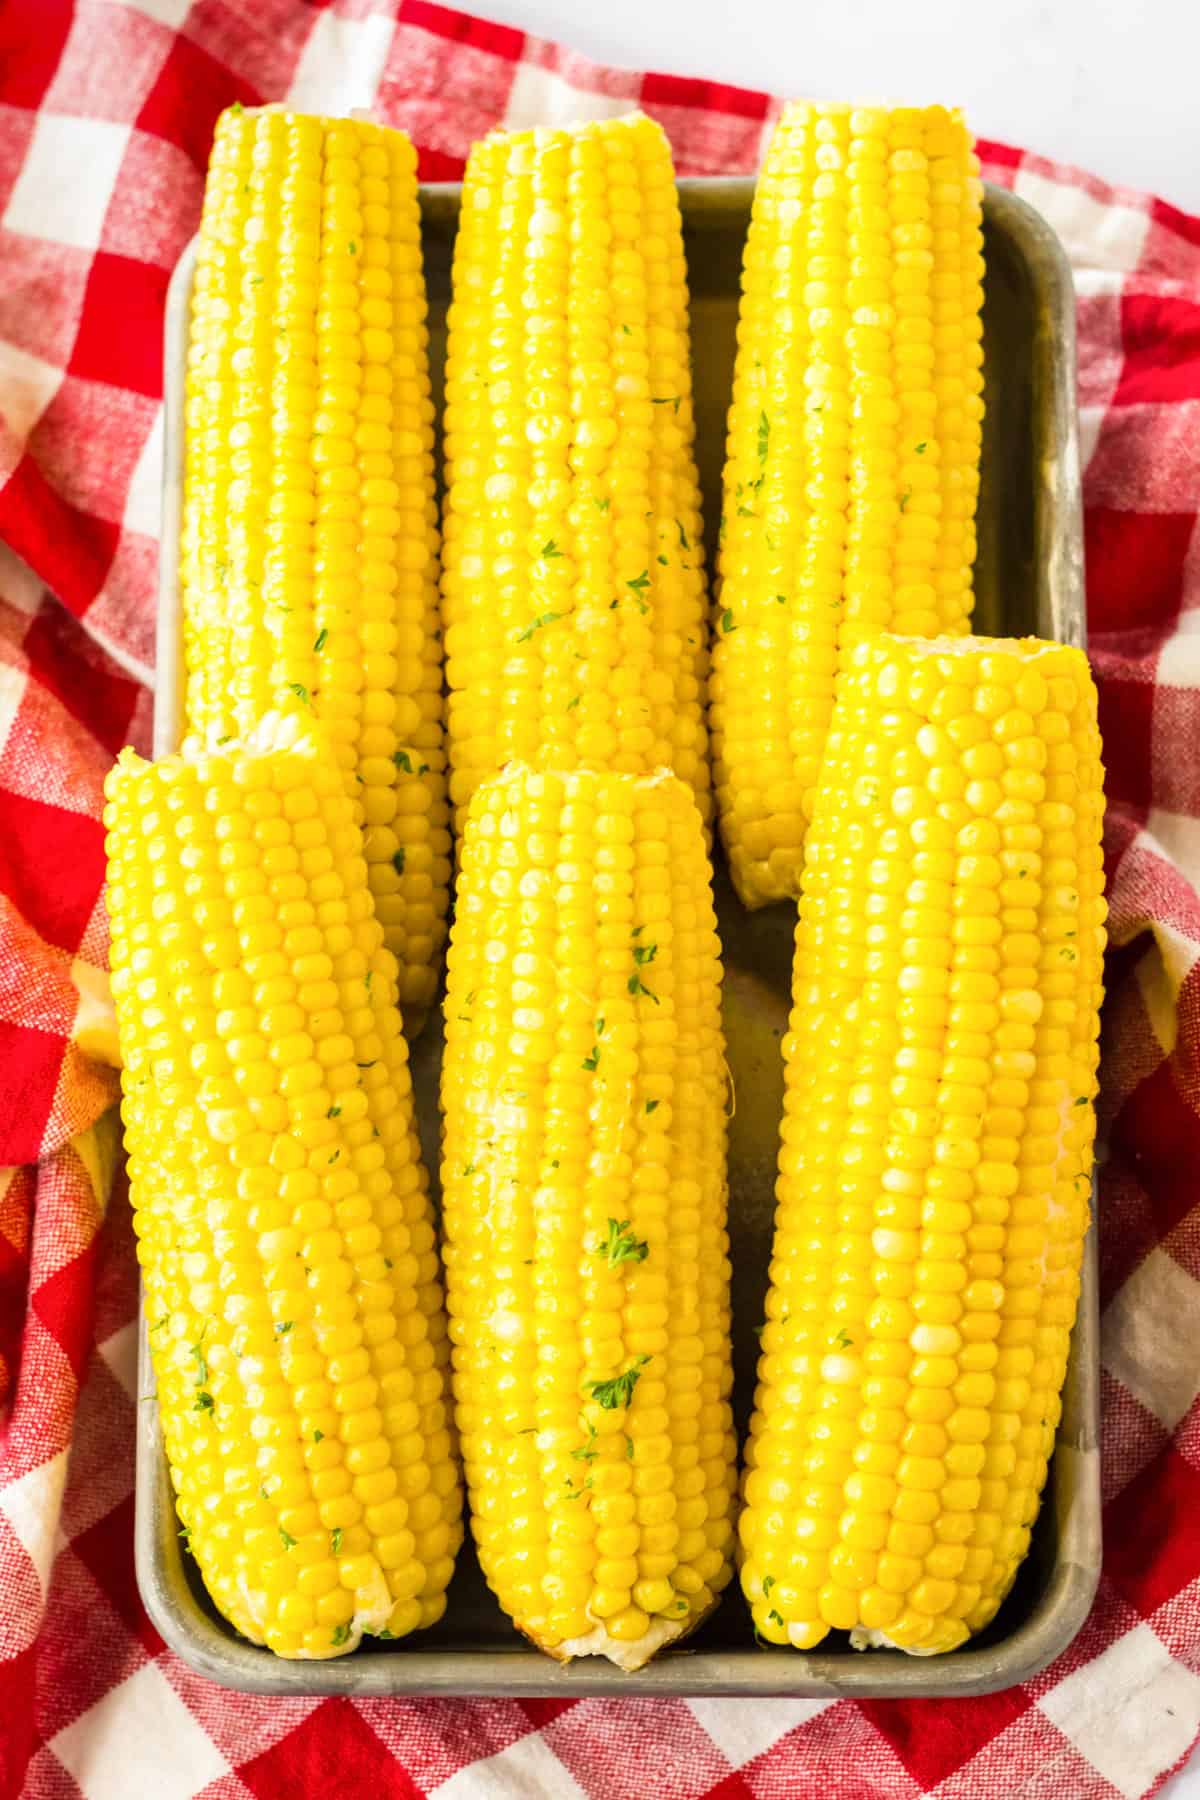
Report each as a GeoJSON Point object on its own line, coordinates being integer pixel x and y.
{"type": "Point", "coordinates": [1030, 579]}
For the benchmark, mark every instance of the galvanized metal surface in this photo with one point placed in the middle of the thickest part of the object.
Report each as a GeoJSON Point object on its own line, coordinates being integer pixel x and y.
{"type": "Point", "coordinates": [1030, 579]}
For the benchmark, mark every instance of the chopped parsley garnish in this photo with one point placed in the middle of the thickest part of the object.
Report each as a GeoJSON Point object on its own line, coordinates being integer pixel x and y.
{"type": "Point", "coordinates": [618, 1391]}
{"type": "Point", "coordinates": [547, 618]}
{"type": "Point", "coordinates": [282, 1329]}
{"type": "Point", "coordinates": [764, 436]}
{"type": "Point", "coordinates": [550, 548]}
{"type": "Point", "coordinates": [335, 1540]}
{"type": "Point", "coordinates": [319, 643]}
{"type": "Point", "coordinates": [652, 1106]}
{"type": "Point", "coordinates": [727, 623]}
{"type": "Point", "coordinates": [620, 1245]}
{"type": "Point", "coordinates": [398, 860]}
{"type": "Point", "coordinates": [402, 760]}
{"type": "Point", "coordinates": [289, 1542]}
{"type": "Point", "coordinates": [341, 1634]}
{"type": "Point", "coordinates": [204, 1403]}
{"type": "Point", "coordinates": [637, 986]}
{"type": "Point", "coordinates": [301, 692]}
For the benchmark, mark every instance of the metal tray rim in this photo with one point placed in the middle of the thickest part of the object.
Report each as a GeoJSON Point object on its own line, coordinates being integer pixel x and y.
{"type": "Point", "coordinates": [1062, 1608]}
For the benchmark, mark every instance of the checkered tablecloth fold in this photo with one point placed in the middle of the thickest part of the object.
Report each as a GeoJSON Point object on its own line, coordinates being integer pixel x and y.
{"type": "Point", "coordinates": [106, 113]}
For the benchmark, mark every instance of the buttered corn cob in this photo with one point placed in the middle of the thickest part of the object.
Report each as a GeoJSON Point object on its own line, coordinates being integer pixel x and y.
{"type": "Point", "coordinates": [936, 1150]}
{"type": "Point", "coordinates": [310, 538]}
{"type": "Point", "coordinates": [584, 1188]}
{"type": "Point", "coordinates": [287, 1251]}
{"type": "Point", "coordinates": [573, 583]}
{"type": "Point", "coordinates": [853, 452]}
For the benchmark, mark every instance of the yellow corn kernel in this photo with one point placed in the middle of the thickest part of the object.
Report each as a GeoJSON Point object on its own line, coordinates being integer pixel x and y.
{"type": "Point", "coordinates": [287, 1291]}
{"type": "Point", "coordinates": [573, 574]}
{"type": "Point", "coordinates": [584, 1196]}
{"type": "Point", "coordinates": [853, 453]}
{"type": "Point", "coordinates": [309, 565]}
{"type": "Point", "coordinates": [897, 1452]}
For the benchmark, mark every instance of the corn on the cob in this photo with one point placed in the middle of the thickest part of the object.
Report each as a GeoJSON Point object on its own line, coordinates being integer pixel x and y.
{"type": "Point", "coordinates": [310, 533]}
{"type": "Point", "coordinates": [936, 1150]}
{"type": "Point", "coordinates": [853, 451]}
{"type": "Point", "coordinates": [584, 1208]}
{"type": "Point", "coordinates": [287, 1250]}
{"type": "Point", "coordinates": [573, 583]}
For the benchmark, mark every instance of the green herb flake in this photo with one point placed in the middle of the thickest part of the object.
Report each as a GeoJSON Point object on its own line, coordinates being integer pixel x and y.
{"type": "Point", "coordinates": [775, 1618]}
{"type": "Point", "coordinates": [905, 497]}
{"type": "Point", "coordinates": [398, 860]}
{"type": "Point", "coordinates": [1082, 1100]}
{"type": "Point", "coordinates": [629, 1448]}
{"type": "Point", "coordinates": [644, 953]}
{"type": "Point", "coordinates": [621, 1246]}
{"type": "Point", "coordinates": [289, 1542]}
{"type": "Point", "coordinates": [335, 1112]}
{"type": "Point", "coordinates": [652, 1106]}
{"type": "Point", "coordinates": [603, 505]}
{"type": "Point", "coordinates": [402, 760]}
{"type": "Point", "coordinates": [318, 1437]}
{"type": "Point", "coordinates": [768, 1582]}
{"type": "Point", "coordinates": [320, 641]}
{"type": "Point", "coordinates": [335, 1540]}
{"type": "Point", "coordinates": [637, 987]}
{"type": "Point", "coordinates": [341, 1634]}
{"type": "Point", "coordinates": [159, 1323]}
{"type": "Point", "coordinates": [843, 1340]}
{"type": "Point", "coordinates": [196, 1352]}
{"type": "Point", "coordinates": [727, 623]}
{"type": "Point", "coordinates": [301, 692]}
{"type": "Point", "coordinates": [547, 618]}
{"type": "Point", "coordinates": [550, 549]}
{"type": "Point", "coordinates": [921, 449]}
{"type": "Point", "coordinates": [619, 1390]}
{"type": "Point", "coordinates": [334, 1157]}
{"type": "Point", "coordinates": [781, 599]}
{"type": "Point", "coordinates": [236, 109]}
{"type": "Point", "coordinates": [282, 1329]}
{"type": "Point", "coordinates": [764, 436]}
{"type": "Point", "coordinates": [227, 739]}
{"type": "Point", "coordinates": [592, 1061]}
{"type": "Point", "coordinates": [666, 400]}
{"type": "Point", "coordinates": [574, 702]}
{"type": "Point", "coordinates": [352, 247]}
{"type": "Point", "coordinates": [663, 561]}
{"type": "Point", "coordinates": [185, 1532]}
{"type": "Point", "coordinates": [684, 541]}
{"type": "Point", "coordinates": [385, 1636]}
{"type": "Point", "coordinates": [204, 1403]}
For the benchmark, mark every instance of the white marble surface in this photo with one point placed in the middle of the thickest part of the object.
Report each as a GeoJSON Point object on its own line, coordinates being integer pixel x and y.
{"type": "Point", "coordinates": [1111, 87]}
{"type": "Point", "coordinates": [1109, 84]}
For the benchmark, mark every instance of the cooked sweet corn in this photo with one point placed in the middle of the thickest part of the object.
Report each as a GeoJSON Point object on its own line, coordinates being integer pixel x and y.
{"type": "Point", "coordinates": [584, 1191]}
{"type": "Point", "coordinates": [572, 576]}
{"type": "Point", "coordinates": [309, 561]}
{"type": "Point", "coordinates": [287, 1250]}
{"type": "Point", "coordinates": [853, 452]}
{"type": "Point", "coordinates": [936, 1154]}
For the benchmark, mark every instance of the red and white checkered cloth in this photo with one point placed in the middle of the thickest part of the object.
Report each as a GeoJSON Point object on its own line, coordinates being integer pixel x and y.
{"type": "Point", "coordinates": [106, 111]}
